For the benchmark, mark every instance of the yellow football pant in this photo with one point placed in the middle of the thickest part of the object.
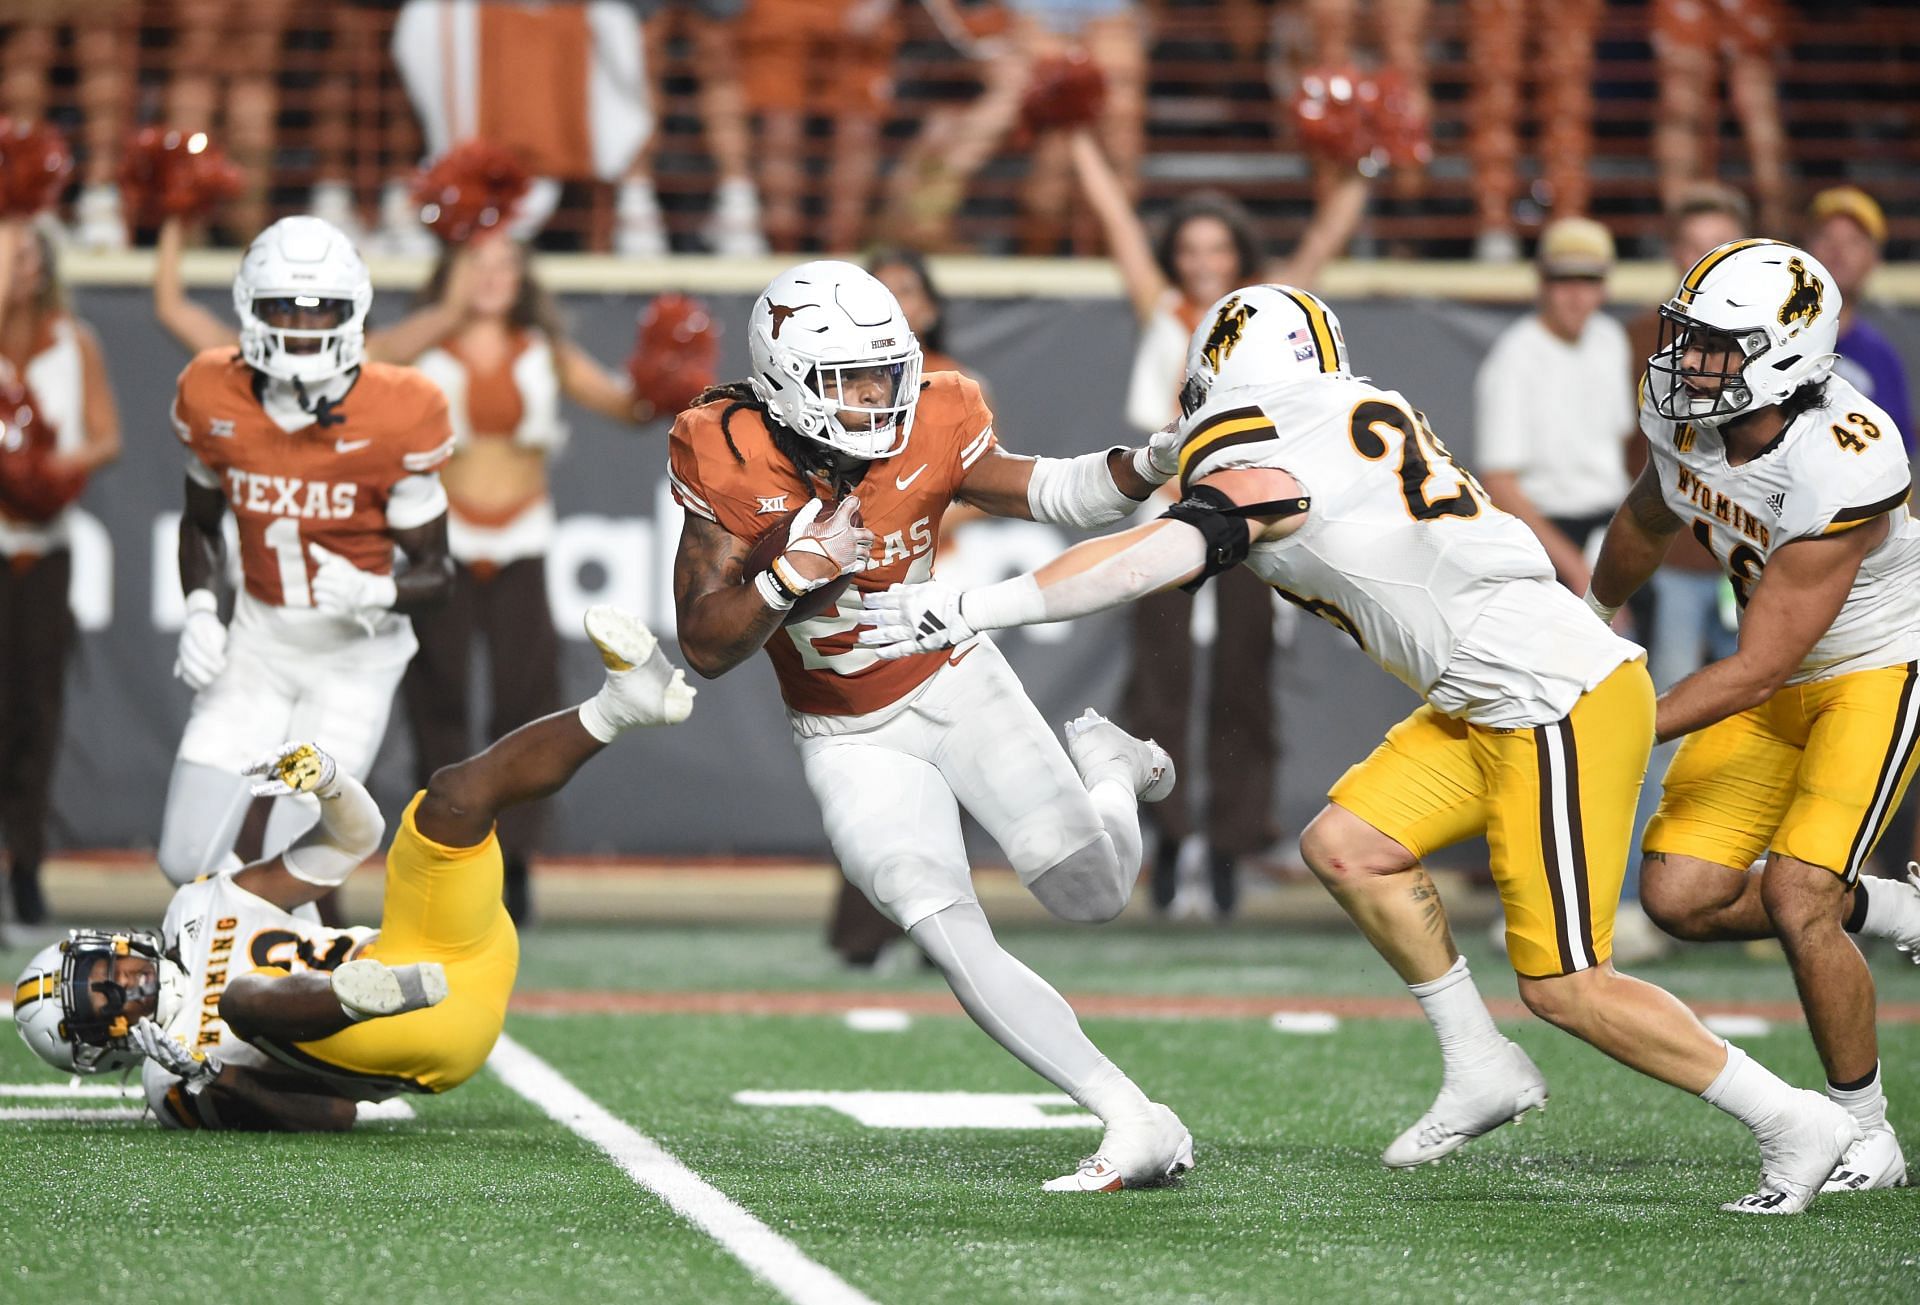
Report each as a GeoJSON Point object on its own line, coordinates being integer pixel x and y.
{"type": "Point", "coordinates": [1555, 802]}
{"type": "Point", "coordinates": [1814, 773]}
{"type": "Point", "coordinates": [442, 904]}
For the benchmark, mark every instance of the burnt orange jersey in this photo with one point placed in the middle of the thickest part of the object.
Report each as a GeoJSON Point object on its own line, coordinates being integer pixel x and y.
{"type": "Point", "coordinates": [820, 666]}
{"type": "Point", "coordinates": [314, 486]}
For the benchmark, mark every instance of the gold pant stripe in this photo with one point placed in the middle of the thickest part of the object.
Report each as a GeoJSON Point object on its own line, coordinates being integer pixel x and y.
{"type": "Point", "coordinates": [1898, 758]}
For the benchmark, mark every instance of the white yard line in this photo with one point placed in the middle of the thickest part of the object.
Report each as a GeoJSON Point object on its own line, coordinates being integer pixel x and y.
{"type": "Point", "coordinates": [114, 1092]}
{"type": "Point", "coordinates": [766, 1254]}
{"type": "Point", "coordinates": [70, 1114]}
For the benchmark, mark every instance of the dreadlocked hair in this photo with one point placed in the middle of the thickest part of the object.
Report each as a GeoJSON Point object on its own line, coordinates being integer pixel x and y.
{"type": "Point", "coordinates": [738, 395]}
{"type": "Point", "coordinates": [805, 454]}
{"type": "Point", "coordinates": [1804, 399]}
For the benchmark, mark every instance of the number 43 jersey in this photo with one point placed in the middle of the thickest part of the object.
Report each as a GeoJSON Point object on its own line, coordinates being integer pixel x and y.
{"type": "Point", "coordinates": [1403, 551]}
{"type": "Point", "coordinates": [1837, 467]}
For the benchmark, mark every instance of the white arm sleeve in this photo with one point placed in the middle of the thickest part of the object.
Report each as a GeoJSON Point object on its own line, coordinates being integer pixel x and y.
{"type": "Point", "coordinates": [416, 500]}
{"type": "Point", "coordinates": [349, 832]}
{"type": "Point", "coordinates": [1077, 492]}
{"type": "Point", "coordinates": [1166, 553]}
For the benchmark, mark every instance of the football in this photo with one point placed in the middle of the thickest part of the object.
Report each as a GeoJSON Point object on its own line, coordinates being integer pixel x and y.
{"type": "Point", "coordinates": [773, 542]}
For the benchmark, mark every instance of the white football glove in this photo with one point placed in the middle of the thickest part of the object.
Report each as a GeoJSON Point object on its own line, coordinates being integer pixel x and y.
{"type": "Point", "coordinates": [291, 768]}
{"type": "Point", "coordinates": [837, 539]}
{"type": "Point", "coordinates": [195, 1068]}
{"type": "Point", "coordinates": [1158, 460]}
{"type": "Point", "coordinates": [344, 589]}
{"type": "Point", "coordinates": [915, 618]}
{"type": "Point", "coordinates": [203, 642]}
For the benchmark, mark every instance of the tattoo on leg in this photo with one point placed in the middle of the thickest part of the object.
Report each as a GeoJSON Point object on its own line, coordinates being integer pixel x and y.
{"type": "Point", "coordinates": [1432, 914]}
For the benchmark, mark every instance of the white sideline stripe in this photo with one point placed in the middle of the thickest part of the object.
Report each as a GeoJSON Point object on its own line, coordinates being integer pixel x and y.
{"type": "Point", "coordinates": [766, 1254]}
{"type": "Point", "coordinates": [1737, 1026]}
{"type": "Point", "coordinates": [70, 1090]}
{"type": "Point", "coordinates": [1304, 1021]}
{"type": "Point", "coordinates": [878, 1019]}
{"type": "Point", "coordinates": [70, 1114]}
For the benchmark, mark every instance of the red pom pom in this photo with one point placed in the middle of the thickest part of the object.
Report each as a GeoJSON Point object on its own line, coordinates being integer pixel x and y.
{"type": "Point", "coordinates": [1396, 124]}
{"type": "Point", "coordinates": [1066, 90]}
{"type": "Point", "coordinates": [32, 487]}
{"type": "Point", "coordinates": [34, 166]}
{"type": "Point", "coordinates": [676, 351]}
{"type": "Point", "coordinates": [1327, 111]}
{"type": "Point", "coordinates": [471, 188]}
{"type": "Point", "coordinates": [167, 173]}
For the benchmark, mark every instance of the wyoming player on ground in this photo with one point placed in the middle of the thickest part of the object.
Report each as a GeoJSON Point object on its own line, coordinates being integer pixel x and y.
{"type": "Point", "coordinates": [1535, 732]}
{"type": "Point", "coordinates": [250, 1016]}
{"type": "Point", "coordinates": [328, 464]}
{"type": "Point", "coordinates": [837, 409]}
{"type": "Point", "coordinates": [1799, 746]}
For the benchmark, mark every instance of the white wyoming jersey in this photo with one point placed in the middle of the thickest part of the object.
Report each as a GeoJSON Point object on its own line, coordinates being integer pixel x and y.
{"type": "Point", "coordinates": [1402, 550]}
{"type": "Point", "coordinates": [219, 930]}
{"type": "Point", "coordinates": [1836, 467]}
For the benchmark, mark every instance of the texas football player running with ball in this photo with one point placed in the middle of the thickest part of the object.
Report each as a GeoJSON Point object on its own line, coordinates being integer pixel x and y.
{"type": "Point", "coordinates": [838, 441]}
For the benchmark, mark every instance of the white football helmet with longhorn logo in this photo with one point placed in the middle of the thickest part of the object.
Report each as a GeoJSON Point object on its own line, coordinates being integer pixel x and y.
{"type": "Point", "coordinates": [813, 335]}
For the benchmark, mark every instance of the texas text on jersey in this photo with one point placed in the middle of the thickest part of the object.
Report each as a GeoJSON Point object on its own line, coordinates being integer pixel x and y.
{"type": "Point", "coordinates": [218, 931]}
{"type": "Point", "coordinates": [343, 485]}
{"type": "Point", "coordinates": [1403, 551]}
{"type": "Point", "coordinates": [742, 482]}
{"type": "Point", "coordinates": [1839, 465]}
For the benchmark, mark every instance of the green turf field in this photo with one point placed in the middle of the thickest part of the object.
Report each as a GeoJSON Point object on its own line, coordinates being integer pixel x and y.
{"type": "Point", "coordinates": [1609, 1195]}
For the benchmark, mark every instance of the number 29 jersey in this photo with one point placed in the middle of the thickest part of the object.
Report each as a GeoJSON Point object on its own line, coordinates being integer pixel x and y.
{"type": "Point", "coordinates": [1402, 550]}
{"type": "Point", "coordinates": [1837, 467]}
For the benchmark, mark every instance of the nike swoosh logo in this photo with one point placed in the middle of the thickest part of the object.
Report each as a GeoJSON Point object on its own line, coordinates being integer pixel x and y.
{"type": "Point", "coordinates": [961, 654]}
{"type": "Point", "coordinates": [348, 446]}
{"type": "Point", "coordinates": [903, 482]}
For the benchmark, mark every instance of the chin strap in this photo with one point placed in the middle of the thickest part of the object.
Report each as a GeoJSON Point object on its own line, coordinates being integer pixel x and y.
{"type": "Point", "coordinates": [322, 408]}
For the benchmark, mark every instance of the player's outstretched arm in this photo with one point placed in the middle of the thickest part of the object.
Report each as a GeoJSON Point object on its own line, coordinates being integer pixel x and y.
{"type": "Point", "coordinates": [1095, 575]}
{"type": "Point", "coordinates": [1093, 490]}
{"type": "Point", "coordinates": [1637, 541]}
{"type": "Point", "coordinates": [1796, 600]}
{"type": "Point", "coordinates": [348, 832]}
{"type": "Point", "coordinates": [193, 326]}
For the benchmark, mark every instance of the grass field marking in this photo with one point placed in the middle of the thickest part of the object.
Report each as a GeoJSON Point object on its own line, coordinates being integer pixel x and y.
{"type": "Point", "coordinates": [70, 1114]}
{"type": "Point", "coordinates": [878, 1019]}
{"type": "Point", "coordinates": [108, 1091]}
{"type": "Point", "coordinates": [1304, 1021]}
{"type": "Point", "coordinates": [935, 1109]}
{"type": "Point", "coordinates": [766, 1254]}
{"type": "Point", "coordinates": [1738, 1026]}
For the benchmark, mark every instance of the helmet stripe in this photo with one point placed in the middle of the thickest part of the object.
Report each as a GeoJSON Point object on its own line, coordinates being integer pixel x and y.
{"type": "Point", "coordinates": [1323, 343]}
{"type": "Point", "coordinates": [1690, 283]}
{"type": "Point", "coordinates": [41, 985]}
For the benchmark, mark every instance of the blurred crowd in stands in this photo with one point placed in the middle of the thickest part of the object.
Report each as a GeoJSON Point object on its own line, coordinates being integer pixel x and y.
{"type": "Point", "coordinates": [738, 126]}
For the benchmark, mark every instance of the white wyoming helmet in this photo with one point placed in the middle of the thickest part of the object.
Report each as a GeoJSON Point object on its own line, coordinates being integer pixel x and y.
{"type": "Point", "coordinates": [810, 331]}
{"type": "Point", "coordinates": [1770, 304]}
{"type": "Point", "coordinates": [1262, 335]}
{"type": "Point", "coordinates": [303, 264]}
{"type": "Point", "coordinates": [55, 1007]}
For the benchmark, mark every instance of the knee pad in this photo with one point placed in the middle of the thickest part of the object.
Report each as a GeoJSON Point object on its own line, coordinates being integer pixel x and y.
{"type": "Point", "coordinates": [1085, 886]}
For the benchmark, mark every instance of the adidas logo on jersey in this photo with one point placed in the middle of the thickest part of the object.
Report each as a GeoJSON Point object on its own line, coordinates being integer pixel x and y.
{"type": "Point", "coordinates": [1777, 502]}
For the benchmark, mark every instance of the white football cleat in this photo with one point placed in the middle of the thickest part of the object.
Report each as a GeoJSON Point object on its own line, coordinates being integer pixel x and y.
{"type": "Point", "coordinates": [1797, 1154]}
{"type": "Point", "coordinates": [1476, 1102]}
{"type": "Point", "coordinates": [1874, 1162]}
{"type": "Point", "coordinates": [1146, 1151]}
{"type": "Point", "coordinates": [643, 687]}
{"type": "Point", "coordinates": [371, 989]}
{"type": "Point", "coordinates": [1099, 747]}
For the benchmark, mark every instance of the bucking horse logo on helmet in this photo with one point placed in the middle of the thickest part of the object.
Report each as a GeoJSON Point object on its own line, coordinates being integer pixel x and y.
{"type": "Point", "coordinates": [1803, 303]}
{"type": "Point", "coordinates": [1228, 326]}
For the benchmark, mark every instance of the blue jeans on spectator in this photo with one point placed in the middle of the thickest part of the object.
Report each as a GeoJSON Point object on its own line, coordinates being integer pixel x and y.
{"type": "Point", "coordinates": [1687, 634]}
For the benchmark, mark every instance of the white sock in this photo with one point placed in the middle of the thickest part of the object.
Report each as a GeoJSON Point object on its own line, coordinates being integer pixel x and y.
{"type": "Point", "coordinates": [1893, 908]}
{"type": "Point", "coordinates": [604, 715]}
{"type": "Point", "coordinates": [1110, 1094]}
{"type": "Point", "coordinates": [1459, 1016]}
{"type": "Point", "coordinates": [1868, 1105]}
{"type": "Point", "coordinates": [1747, 1090]}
